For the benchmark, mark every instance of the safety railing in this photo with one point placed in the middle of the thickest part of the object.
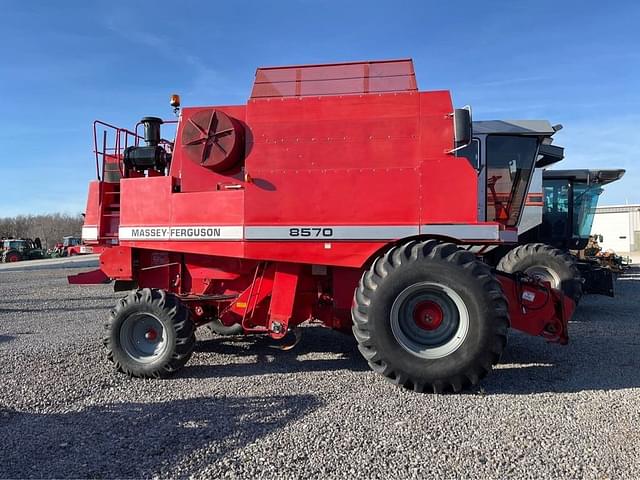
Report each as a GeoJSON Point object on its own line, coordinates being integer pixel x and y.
{"type": "Point", "coordinates": [114, 141]}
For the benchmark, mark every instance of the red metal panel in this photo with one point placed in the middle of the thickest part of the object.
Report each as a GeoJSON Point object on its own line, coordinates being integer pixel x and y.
{"type": "Point", "coordinates": [337, 109]}
{"type": "Point", "coordinates": [449, 183]}
{"type": "Point", "coordinates": [348, 254]}
{"type": "Point", "coordinates": [334, 197]}
{"type": "Point", "coordinates": [449, 187]}
{"type": "Point", "coordinates": [283, 294]}
{"type": "Point", "coordinates": [436, 124]}
{"type": "Point", "coordinates": [216, 248]}
{"type": "Point", "coordinates": [117, 262]}
{"type": "Point", "coordinates": [334, 161]}
{"type": "Point", "coordinates": [537, 309]}
{"type": "Point", "coordinates": [225, 207]}
{"type": "Point", "coordinates": [146, 201]}
{"type": "Point", "coordinates": [92, 210]}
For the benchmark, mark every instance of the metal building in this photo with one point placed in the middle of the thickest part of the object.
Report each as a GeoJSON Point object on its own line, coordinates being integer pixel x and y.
{"type": "Point", "coordinates": [619, 226]}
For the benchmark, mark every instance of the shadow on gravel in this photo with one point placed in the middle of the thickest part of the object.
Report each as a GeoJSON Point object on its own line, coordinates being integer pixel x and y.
{"type": "Point", "coordinates": [6, 338]}
{"type": "Point", "coordinates": [174, 439]}
{"type": "Point", "coordinates": [270, 360]}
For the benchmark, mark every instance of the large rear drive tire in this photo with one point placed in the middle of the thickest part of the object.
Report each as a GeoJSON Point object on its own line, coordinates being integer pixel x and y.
{"type": "Point", "coordinates": [545, 263]}
{"type": "Point", "coordinates": [12, 256]}
{"type": "Point", "coordinates": [149, 334]}
{"type": "Point", "coordinates": [430, 316]}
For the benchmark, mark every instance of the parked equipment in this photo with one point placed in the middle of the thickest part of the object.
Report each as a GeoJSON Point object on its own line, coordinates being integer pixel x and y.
{"type": "Point", "coordinates": [18, 249]}
{"type": "Point", "coordinates": [553, 249]}
{"type": "Point", "coordinates": [73, 246]}
{"type": "Point", "coordinates": [608, 259]}
{"type": "Point", "coordinates": [335, 195]}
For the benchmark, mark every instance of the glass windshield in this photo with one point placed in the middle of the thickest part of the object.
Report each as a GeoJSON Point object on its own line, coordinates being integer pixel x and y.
{"type": "Point", "coordinates": [509, 165]}
{"type": "Point", "coordinates": [585, 200]}
{"type": "Point", "coordinates": [556, 210]}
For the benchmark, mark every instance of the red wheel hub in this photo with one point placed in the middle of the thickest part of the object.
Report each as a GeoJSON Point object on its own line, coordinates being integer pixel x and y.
{"type": "Point", "coordinates": [428, 315]}
{"type": "Point", "coordinates": [151, 335]}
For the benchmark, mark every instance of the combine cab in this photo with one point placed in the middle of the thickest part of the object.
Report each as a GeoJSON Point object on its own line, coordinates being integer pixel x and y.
{"type": "Point", "coordinates": [334, 194]}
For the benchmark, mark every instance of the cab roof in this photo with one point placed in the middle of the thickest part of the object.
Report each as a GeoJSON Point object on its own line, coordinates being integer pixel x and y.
{"type": "Point", "coordinates": [600, 177]}
{"type": "Point", "coordinates": [518, 127]}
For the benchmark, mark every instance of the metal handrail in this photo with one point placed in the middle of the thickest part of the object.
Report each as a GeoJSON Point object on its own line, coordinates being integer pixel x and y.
{"type": "Point", "coordinates": [117, 150]}
{"type": "Point", "coordinates": [121, 144]}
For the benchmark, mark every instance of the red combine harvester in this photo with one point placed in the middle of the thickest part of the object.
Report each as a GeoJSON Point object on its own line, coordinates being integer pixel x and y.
{"type": "Point", "coordinates": [333, 195]}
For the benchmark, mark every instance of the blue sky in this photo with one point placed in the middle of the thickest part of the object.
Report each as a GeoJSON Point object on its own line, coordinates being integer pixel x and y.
{"type": "Point", "coordinates": [67, 63]}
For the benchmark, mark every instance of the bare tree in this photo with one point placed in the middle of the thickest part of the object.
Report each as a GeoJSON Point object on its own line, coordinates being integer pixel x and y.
{"type": "Point", "coordinates": [50, 228]}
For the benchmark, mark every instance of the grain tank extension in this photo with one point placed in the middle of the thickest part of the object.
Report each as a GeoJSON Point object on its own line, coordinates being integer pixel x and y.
{"type": "Point", "coordinates": [335, 195]}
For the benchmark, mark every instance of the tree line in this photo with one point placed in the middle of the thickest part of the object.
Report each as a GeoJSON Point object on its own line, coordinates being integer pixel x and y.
{"type": "Point", "coordinates": [50, 228]}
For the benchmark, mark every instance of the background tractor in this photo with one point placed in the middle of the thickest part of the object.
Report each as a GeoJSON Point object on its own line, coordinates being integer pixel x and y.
{"type": "Point", "coordinates": [326, 197]}
{"type": "Point", "coordinates": [70, 246]}
{"type": "Point", "coordinates": [18, 249]}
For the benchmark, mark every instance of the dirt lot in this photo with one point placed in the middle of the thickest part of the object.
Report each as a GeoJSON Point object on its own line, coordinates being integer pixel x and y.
{"type": "Point", "coordinates": [241, 409]}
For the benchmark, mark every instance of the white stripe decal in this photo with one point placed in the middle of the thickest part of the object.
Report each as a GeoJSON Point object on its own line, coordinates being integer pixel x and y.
{"type": "Point", "coordinates": [326, 232]}
{"type": "Point", "coordinates": [463, 232]}
{"type": "Point", "coordinates": [89, 233]}
{"type": "Point", "coordinates": [196, 232]}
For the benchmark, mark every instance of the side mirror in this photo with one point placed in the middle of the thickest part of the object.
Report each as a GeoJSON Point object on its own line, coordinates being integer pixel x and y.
{"type": "Point", "coordinates": [462, 126]}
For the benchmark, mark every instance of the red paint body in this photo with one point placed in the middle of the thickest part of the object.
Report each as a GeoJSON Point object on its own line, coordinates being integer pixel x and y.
{"type": "Point", "coordinates": [339, 162]}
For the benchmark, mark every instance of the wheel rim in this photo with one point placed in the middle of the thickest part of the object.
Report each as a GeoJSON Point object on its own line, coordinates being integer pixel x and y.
{"type": "Point", "coordinates": [143, 337]}
{"type": "Point", "coordinates": [429, 320]}
{"type": "Point", "coordinates": [544, 274]}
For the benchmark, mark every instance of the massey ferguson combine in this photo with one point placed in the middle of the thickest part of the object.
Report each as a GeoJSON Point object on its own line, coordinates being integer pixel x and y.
{"type": "Point", "coordinates": [334, 195]}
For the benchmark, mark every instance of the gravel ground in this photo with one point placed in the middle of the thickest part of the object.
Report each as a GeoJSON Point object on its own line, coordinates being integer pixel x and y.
{"type": "Point", "coordinates": [241, 409]}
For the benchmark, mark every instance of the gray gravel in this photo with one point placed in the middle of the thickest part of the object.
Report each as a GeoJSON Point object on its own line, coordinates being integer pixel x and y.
{"type": "Point", "coordinates": [241, 409]}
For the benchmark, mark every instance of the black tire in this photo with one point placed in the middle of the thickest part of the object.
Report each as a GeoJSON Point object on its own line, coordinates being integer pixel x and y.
{"type": "Point", "coordinates": [548, 263]}
{"type": "Point", "coordinates": [417, 265]}
{"type": "Point", "coordinates": [219, 328]}
{"type": "Point", "coordinates": [11, 256]}
{"type": "Point", "coordinates": [161, 310]}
